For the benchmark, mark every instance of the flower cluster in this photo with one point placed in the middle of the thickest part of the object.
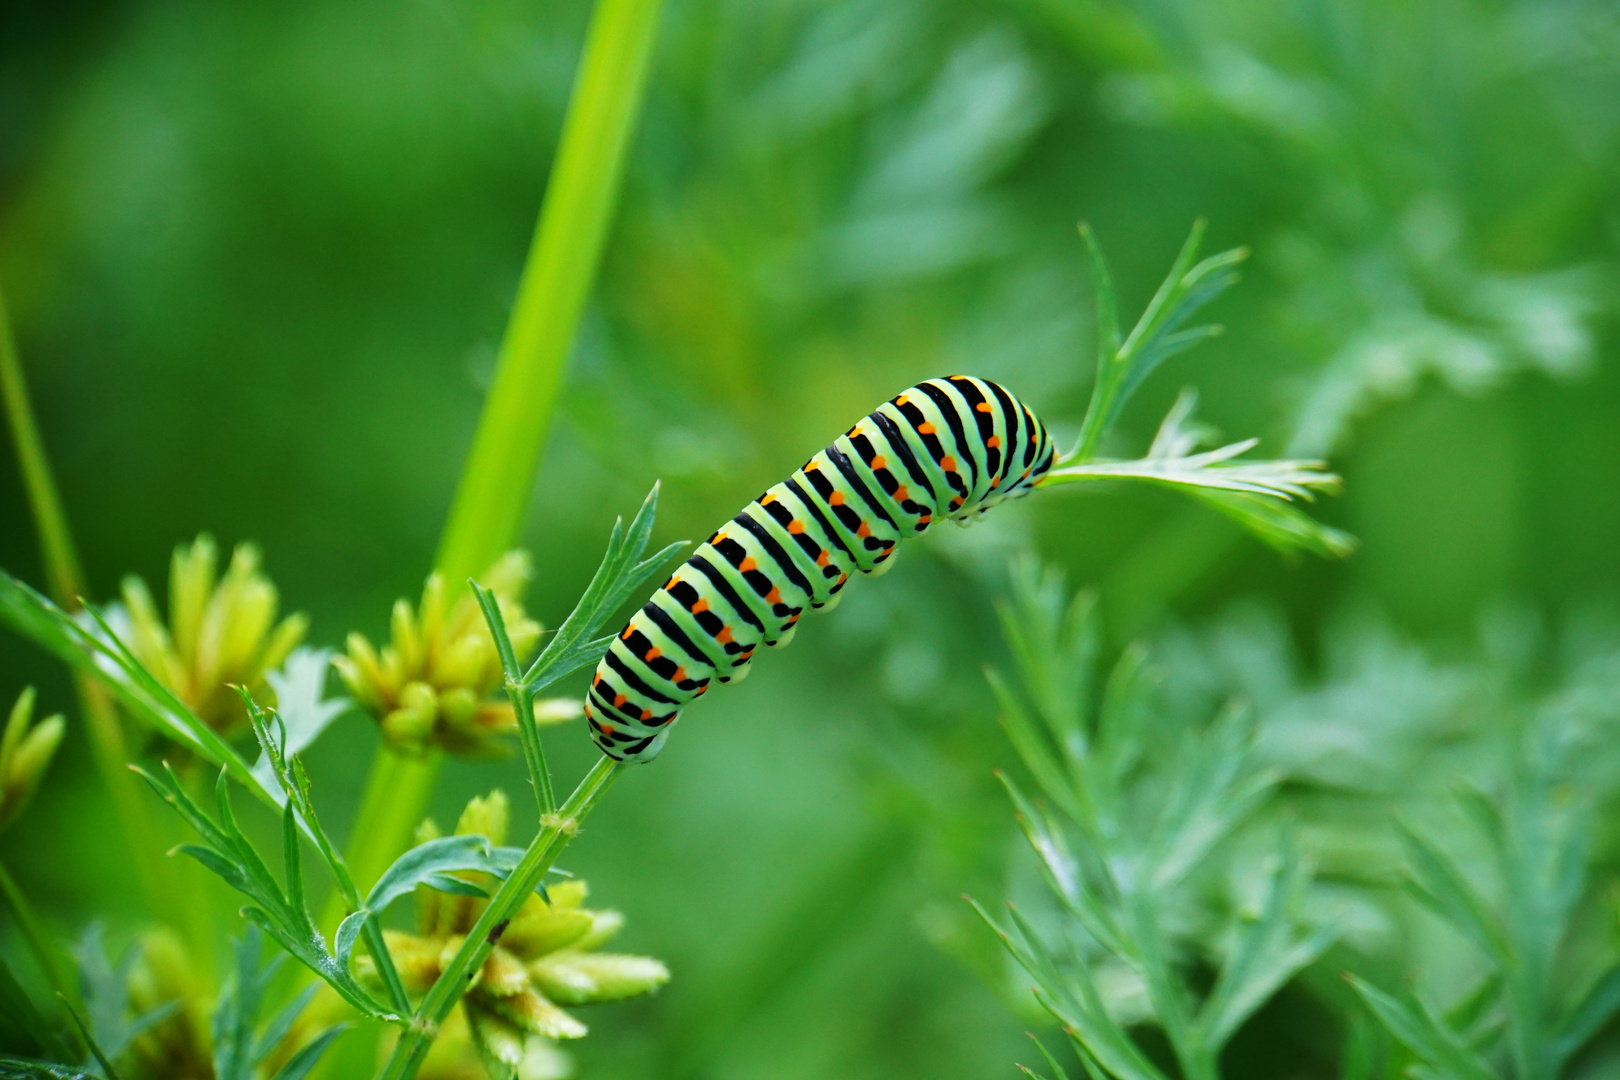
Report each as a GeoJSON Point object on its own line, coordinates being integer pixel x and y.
{"type": "Point", "coordinates": [26, 750]}
{"type": "Point", "coordinates": [222, 631]}
{"type": "Point", "coordinates": [433, 685]}
{"type": "Point", "coordinates": [546, 958]}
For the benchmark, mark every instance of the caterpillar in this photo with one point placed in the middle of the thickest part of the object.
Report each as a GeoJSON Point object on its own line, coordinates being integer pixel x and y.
{"type": "Point", "coordinates": [948, 448]}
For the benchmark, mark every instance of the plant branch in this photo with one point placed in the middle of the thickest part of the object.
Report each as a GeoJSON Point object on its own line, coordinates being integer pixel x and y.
{"type": "Point", "coordinates": [537, 859]}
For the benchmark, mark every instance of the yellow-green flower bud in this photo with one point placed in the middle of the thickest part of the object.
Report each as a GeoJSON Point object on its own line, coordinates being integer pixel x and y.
{"type": "Point", "coordinates": [443, 646]}
{"type": "Point", "coordinates": [544, 959]}
{"type": "Point", "coordinates": [581, 978]}
{"type": "Point", "coordinates": [487, 816]}
{"type": "Point", "coordinates": [25, 753]}
{"type": "Point", "coordinates": [221, 632]}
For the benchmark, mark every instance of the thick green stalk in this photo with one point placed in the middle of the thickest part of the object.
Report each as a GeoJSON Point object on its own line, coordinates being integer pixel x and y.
{"type": "Point", "coordinates": [499, 475]}
{"type": "Point", "coordinates": [554, 835]}
{"type": "Point", "coordinates": [158, 878]}
{"type": "Point", "coordinates": [585, 179]}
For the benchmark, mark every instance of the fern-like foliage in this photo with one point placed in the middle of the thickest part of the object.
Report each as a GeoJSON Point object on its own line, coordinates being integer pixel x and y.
{"type": "Point", "coordinates": [1258, 495]}
{"type": "Point", "coordinates": [1122, 833]}
{"type": "Point", "coordinates": [1534, 1008]}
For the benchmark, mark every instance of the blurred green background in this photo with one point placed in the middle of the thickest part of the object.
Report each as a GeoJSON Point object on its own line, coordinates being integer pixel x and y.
{"type": "Point", "coordinates": [259, 258]}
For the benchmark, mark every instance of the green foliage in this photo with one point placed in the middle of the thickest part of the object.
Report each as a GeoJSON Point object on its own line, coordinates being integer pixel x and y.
{"type": "Point", "coordinates": [1255, 494]}
{"type": "Point", "coordinates": [282, 909]}
{"type": "Point", "coordinates": [15, 1069]}
{"type": "Point", "coordinates": [1539, 1002]}
{"type": "Point", "coordinates": [622, 572]}
{"type": "Point", "coordinates": [239, 1049]}
{"type": "Point", "coordinates": [260, 258]}
{"type": "Point", "coordinates": [1137, 828]}
{"type": "Point", "coordinates": [92, 647]}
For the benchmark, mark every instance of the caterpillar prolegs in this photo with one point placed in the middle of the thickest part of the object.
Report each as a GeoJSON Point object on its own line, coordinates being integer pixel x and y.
{"type": "Point", "coordinates": [948, 448]}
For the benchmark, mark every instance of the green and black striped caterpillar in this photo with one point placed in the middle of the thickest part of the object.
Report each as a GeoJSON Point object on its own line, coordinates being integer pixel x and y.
{"type": "Point", "coordinates": [948, 448]}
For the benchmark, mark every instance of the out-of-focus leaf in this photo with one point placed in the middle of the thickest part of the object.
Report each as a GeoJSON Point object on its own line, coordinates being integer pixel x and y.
{"type": "Point", "coordinates": [309, 1055]}
{"type": "Point", "coordinates": [1211, 792]}
{"type": "Point", "coordinates": [1269, 951]}
{"type": "Point", "coordinates": [1075, 1001]}
{"type": "Point", "coordinates": [1054, 639]}
{"type": "Point", "coordinates": [1471, 1008]}
{"type": "Point", "coordinates": [1063, 871]}
{"type": "Point", "coordinates": [16, 1069]}
{"type": "Point", "coordinates": [18, 1009]}
{"type": "Point", "coordinates": [1586, 1019]}
{"type": "Point", "coordinates": [1033, 747]}
{"type": "Point", "coordinates": [1058, 1071]}
{"type": "Point", "coordinates": [301, 705]}
{"type": "Point", "coordinates": [1411, 1022]}
{"type": "Point", "coordinates": [237, 1010]}
{"type": "Point", "coordinates": [106, 996]}
{"type": "Point", "coordinates": [1440, 883]}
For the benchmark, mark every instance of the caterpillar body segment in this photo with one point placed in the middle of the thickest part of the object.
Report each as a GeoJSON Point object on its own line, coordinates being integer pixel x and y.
{"type": "Point", "coordinates": [944, 449]}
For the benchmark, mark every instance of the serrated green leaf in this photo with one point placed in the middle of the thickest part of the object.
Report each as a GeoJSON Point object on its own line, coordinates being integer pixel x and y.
{"type": "Point", "coordinates": [618, 575]}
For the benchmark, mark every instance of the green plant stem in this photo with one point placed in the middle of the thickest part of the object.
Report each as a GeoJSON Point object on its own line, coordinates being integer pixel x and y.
{"type": "Point", "coordinates": [585, 179]}
{"type": "Point", "coordinates": [61, 559]}
{"type": "Point", "coordinates": [499, 475]}
{"type": "Point", "coordinates": [554, 835]}
{"type": "Point", "coordinates": [58, 970]}
{"type": "Point", "coordinates": [522, 695]}
{"type": "Point", "coordinates": [158, 878]}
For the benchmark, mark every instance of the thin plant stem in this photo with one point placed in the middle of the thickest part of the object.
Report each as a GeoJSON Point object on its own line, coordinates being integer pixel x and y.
{"type": "Point", "coordinates": [518, 689]}
{"type": "Point", "coordinates": [56, 546]}
{"type": "Point", "coordinates": [48, 955]}
{"type": "Point", "coordinates": [498, 477]}
{"type": "Point", "coordinates": [555, 833]}
{"type": "Point", "coordinates": [159, 880]}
